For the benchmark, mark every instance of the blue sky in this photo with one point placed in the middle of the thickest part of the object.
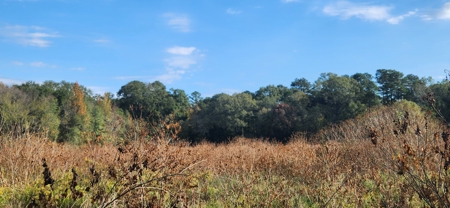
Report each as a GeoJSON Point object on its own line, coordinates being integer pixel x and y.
{"type": "Point", "coordinates": [218, 46]}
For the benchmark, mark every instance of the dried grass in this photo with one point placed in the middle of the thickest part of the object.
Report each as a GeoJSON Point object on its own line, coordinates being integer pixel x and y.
{"type": "Point", "coordinates": [342, 167]}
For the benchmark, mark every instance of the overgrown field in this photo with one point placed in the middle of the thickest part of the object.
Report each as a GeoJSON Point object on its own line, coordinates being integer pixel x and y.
{"type": "Point", "coordinates": [394, 156]}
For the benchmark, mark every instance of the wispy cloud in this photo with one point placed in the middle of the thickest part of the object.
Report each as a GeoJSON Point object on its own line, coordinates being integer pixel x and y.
{"type": "Point", "coordinates": [177, 50]}
{"type": "Point", "coordinates": [233, 11]}
{"type": "Point", "coordinates": [444, 13]}
{"type": "Point", "coordinates": [289, 1]}
{"type": "Point", "coordinates": [397, 19]}
{"type": "Point", "coordinates": [230, 91]}
{"type": "Point", "coordinates": [170, 76]}
{"type": "Point", "coordinates": [7, 81]}
{"type": "Point", "coordinates": [37, 64]}
{"type": "Point", "coordinates": [346, 10]}
{"type": "Point", "coordinates": [41, 64]}
{"type": "Point", "coordinates": [426, 17]}
{"type": "Point", "coordinates": [178, 22]}
{"type": "Point", "coordinates": [182, 57]}
{"type": "Point", "coordinates": [29, 36]}
{"type": "Point", "coordinates": [97, 90]}
{"type": "Point", "coordinates": [17, 63]}
{"type": "Point", "coordinates": [179, 63]}
{"type": "Point", "coordinates": [130, 77]}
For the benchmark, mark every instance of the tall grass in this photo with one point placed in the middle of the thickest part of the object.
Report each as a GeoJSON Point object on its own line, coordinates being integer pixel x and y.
{"type": "Point", "coordinates": [352, 164]}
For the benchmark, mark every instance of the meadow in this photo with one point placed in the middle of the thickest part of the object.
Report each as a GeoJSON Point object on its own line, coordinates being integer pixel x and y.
{"type": "Point", "coordinates": [391, 156]}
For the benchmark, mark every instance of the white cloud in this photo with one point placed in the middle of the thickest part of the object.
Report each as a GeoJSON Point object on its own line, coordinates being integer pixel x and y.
{"type": "Point", "coordinates": [129, 77]}
{"type": "Point", "coordinates": [42, 64]}
{"type": "Point", "coordinates": [230, 91]}
{"type": "Point", "coordinates": [170, 76]}
{"type": "Point", "coordinates": [397, 19]}
{"type": "Point", "coordinates": [181, 50]}
{"type": "Point", "coordinates": [444, 13]}
{"type": "Point", "coordinates": [345, 10]}
{"type": "Point", "coordinates": [7, 81]}
{"type": "Point", "coordinates": [38, 64]}
{"type": "Point", "coordinates": [98, 90]}
{"type": "Point", "coordinates": [182, 57]}
{"type": "Point", "coordinates": [180, 62]}
{"type": "Point", "coordinates": [289, 1]}
{"type": "Point", "coordinates": [233, 11]}
{"type": "Point", "coordinates": [29, 36]}
{"type": "Point", "coordinates": [178, 22]}
{"type": "Point", "coordinates": [426, 17]}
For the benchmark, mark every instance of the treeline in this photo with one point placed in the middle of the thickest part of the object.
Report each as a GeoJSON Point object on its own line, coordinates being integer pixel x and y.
{"type": "Point", "coordinates": [68, 112]}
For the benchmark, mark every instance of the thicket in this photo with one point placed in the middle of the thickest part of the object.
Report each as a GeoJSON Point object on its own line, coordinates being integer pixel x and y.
{"type": "Point", "coordinates": [69, 112]}
{"type": "Point", "coordinates": [391, 156]}
{"type": "Point", "coordinates": [64, 147]}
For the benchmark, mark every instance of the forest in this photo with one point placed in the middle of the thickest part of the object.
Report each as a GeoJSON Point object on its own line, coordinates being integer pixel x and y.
{"type": "Point", "coordinates": [69, 112]}
{"type": "Point", "coordinates": [342, 141]}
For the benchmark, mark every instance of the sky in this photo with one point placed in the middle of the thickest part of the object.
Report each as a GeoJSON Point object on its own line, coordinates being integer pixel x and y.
{"type": "Point", "coordinates": [218, 46]}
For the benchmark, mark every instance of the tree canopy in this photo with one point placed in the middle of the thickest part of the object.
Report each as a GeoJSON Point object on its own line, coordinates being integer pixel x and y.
{"type": "Point", "coordinates": [69, 112]}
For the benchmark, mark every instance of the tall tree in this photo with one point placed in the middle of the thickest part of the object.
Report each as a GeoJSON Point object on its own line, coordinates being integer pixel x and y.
{"type": "Point", "coordinates": [415, 87]}
{"type": "Point", "coordinates": [78, 119]}
{"type": "Point", "coordinates": [301, 84]}
{"type": "Point", "coordinates": [441, 91]}
{"type": "Point", "coordinates": [368, 88]}
{"type": "Point", "coordinates": [180, 104]}
{"type": "Point", "coordinates": [195, 98]}
{"type": "Point", "coordinates": [133, 97]}
{"type": "Point", "coordinates": [224, 116]}
{"type": "Point", "coordinates": [78, 101]}
{"type": "Point", "coordinates": [338, 97]}
{"type": "Point", "coordinates": [391, 85]}
{"type": "Point", "coordinates": [151, 101]}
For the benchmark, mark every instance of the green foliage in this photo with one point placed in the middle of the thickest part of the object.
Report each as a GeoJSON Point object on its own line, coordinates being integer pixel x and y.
{"type": "Point", "coordinates": [368, 89]}
{"type": "Point", "coordinates": [22, 114]}
{"type": "Point", "coordinates": [392, 87]}
{"type": "Point", "coordinates": [441, 93]}
{"type": "Point", "coordinates": [301, 84]}
{"type": "Point", "coordinates": [416, 88]}
{"type": "Point", "coordinates": [338, 97]}
{"type": "Point", "coordinates": [195, 98]}
{"type": "Point", "coordinates": [152, 101]}
{"type": "Point", "coordinates": [68, 112]}
{"type": "Point", "coordinates": [224, 116]}
{"type": "Point", "coordinates": [98, 121]}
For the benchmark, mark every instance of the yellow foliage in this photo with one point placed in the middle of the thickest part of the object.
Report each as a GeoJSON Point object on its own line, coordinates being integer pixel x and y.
{"type": "Point", "coordinates": [78, 102]}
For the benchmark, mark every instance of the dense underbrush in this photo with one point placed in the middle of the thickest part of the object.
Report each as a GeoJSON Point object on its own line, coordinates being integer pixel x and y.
{"type": "Point", "coordinates": [393, 156]}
